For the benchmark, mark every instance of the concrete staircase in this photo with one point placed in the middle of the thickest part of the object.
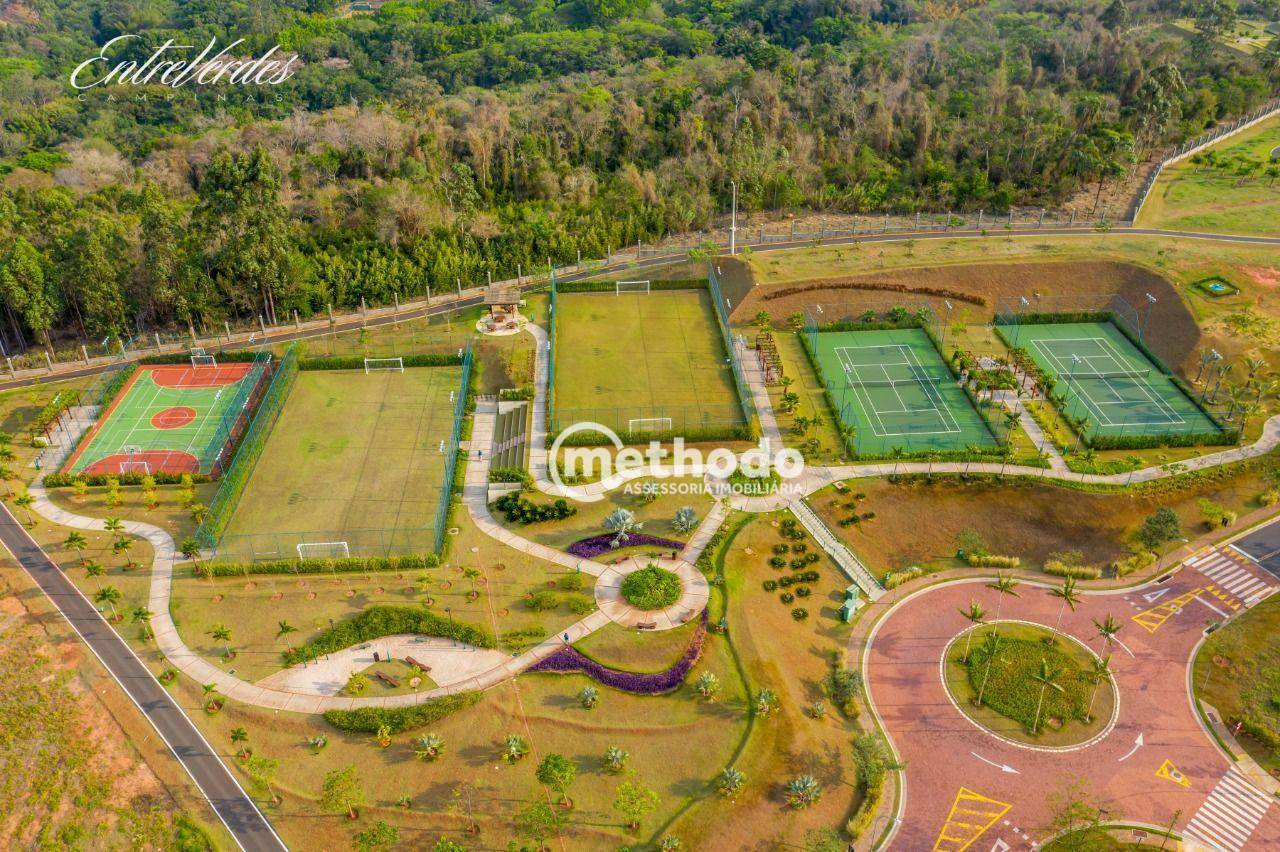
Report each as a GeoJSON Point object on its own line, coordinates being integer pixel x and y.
{"type": "Point", "coordinates": [837, 549]}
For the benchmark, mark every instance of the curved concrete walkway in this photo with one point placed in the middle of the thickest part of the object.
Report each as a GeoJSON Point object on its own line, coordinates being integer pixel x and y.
{"type": "Point", "coordinates": [694, 594]}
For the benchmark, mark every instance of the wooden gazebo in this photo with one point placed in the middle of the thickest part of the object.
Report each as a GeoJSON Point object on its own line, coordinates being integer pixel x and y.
{"type": "Point", "coordinates": [502, 300]}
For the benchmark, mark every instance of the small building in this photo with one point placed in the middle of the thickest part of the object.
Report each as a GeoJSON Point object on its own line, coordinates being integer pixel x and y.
{"type": "Point", "coordinates": [502, 300]}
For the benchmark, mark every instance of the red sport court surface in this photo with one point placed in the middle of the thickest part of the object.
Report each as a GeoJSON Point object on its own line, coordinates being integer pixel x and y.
{"type": "Point", "coordinates": [170, 419]}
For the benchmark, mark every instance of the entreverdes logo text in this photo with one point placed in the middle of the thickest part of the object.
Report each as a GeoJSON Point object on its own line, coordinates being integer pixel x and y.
{"type": "Point", "coordinates": [170, 65]}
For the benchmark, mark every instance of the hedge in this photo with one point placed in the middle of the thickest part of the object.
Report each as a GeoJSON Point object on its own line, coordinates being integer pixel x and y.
{"type": "Point", "coordinates": [866, 812]}
{"type": "Point", "coordinates": [1077, 572]}
{"type": "Point", "coordinates": [234, 356]}
{"type": "Point", "coordinates": [1129, 564]}
{"type": "Point", "coordinates": [321, 566]}
{"type": "Point", "coordinates": [356, 362]}
{"type": "Point", "coordinates": [378, 621]}
{"type": "Point", "coordinates": [520, 476]}
{"type": "Point", "coordinates": [610, 286]}
{"type": "Point", "coordinates": [896, 578]}
{"type": "Point", "coordinates": [66, 480]}
{"type": "Point", "coordinates": [720, 433]}
{"type": "Point", "coordinates": [992, 560]}
{"type": "Point", "coordinates": [367, 720]}
{"type": "Point", "coordinates": [875, 287]}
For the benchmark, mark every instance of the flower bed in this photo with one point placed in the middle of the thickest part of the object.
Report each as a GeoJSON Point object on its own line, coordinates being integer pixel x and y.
{"type": "Point", "coordinates": [651, 588]}
{"type": "Point", "coordinates": [569, 659]}
{"type": "Point", "coordinates": [597, 545]}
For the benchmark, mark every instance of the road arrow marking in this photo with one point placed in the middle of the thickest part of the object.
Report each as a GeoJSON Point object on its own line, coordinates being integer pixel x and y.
{"type": "Point", "coordinates": [1152, 597]}
{"type": "Point", "coordinates": [1003, 767]}
{"type": "Point", "coordinates": [1137, 744]}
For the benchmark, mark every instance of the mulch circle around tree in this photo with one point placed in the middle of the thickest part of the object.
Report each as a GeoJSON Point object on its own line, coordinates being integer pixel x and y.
{"type": "Point", "coordinates": [351, 593]}
{"type": "Point", "coordinates": [499, 567]}
{"type": "Point", "coordinates": [445, 584]}
{"type": "Point", "coordinates": [311, 596]}
{"type": "Point", "coordinates": [379, 590]}
{"type": "Point", "coordinates": [250, 586]}
{"type": "Point", "coordinates": [217, 598]}
{"type": "Point", "coordinates": [275, 596]}
{"type": "Point", "coordinates": [504, 612]}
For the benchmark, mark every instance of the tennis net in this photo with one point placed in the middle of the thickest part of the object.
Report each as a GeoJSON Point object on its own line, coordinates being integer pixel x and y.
{"type": "Point", "coordinates": [1077, 375]}
{"type": "Point", "coordinates": [924, 379]}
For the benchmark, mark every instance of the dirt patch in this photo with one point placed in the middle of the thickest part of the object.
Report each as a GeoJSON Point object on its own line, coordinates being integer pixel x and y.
{"type": "Point", "coordinates": [1172, 330]}
{"type": "Point", "coordinates": [1265, 276]}
{"type": "Point", "coordinates": [1028, 520]}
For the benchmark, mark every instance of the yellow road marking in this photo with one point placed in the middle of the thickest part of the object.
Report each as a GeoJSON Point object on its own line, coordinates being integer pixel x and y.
{"type": "Point", "coordinates": [971, 814]}
{"type": "Point", "coordinates": [1171, 773]}
{"type": "Point", "coordinates": [1151, 619]}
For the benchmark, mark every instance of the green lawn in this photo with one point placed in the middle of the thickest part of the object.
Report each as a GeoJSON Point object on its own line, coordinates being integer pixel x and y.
{"type": "Point", "coordinates": [354, 457]}
{"type": "Point", "coordinates": [628, 360]}
{"type": "Point", "coordinates": [1190, 196]}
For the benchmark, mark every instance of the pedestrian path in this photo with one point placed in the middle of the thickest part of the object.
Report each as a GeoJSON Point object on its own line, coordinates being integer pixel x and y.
{"type": "Point", "coordinates": [1232, 574]}
{"type": "Point", "coordinates": [1228, 817]}
{"type": "Point", "coordinates": [837, 549]}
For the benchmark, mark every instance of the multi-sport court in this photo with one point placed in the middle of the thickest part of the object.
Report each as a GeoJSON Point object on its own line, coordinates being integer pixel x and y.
{"type": "Point", "coordinates": [894, 389]}
{"type": "Point", "coordinates": [356, 460]}
{"type": "Point", "coordinates": [170, 419]}
{"type": "Point", "coordinates": [1105, 378]}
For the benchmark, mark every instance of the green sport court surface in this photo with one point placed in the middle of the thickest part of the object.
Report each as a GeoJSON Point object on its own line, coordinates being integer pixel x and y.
{"type": "Point", "coordinates": [1107, 379]}
{"type": "Point", "coordinates": [354, 457]}
{"type": "Point", "coordinates": [894, 389]}
{"type": "Point", "coordinates": [170, 419]}
{"type": "Point", "coordinates": [630, 360]}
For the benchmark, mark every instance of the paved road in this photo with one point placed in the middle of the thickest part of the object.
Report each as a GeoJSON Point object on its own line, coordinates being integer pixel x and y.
{"type": "Point", "coordinates": [963, 784]}
{"type": "Point", "coordinates": [1262, 546]}
{"type": "Point", "coordinates": [353, 321]}
{"type": "Point", "coordinates": [237, 811]}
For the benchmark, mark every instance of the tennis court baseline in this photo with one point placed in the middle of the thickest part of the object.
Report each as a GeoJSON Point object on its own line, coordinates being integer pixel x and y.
{"type": "Point", "coordinates": [894, 389]}
{"type": "Point", "coordinates": [1108, 380]}
{"type": "Point", "coordinates": [170, 419]}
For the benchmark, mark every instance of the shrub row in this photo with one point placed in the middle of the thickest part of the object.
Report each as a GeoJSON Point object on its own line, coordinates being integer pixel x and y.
{"type": "Point", "coordinates": [518, 510]}
{"type": "Point", "coordinates": [520, 476]}
{"type": "Point", "coordinates": [356, 362]}
{"type": "Point", "coordinates": [367, 720]}
{"type": "Point", "coordinates": [991, 560]}
{"type": "Point", "coordinates": [897, 578]}
{"type": "Point", "coordinates": [1078, 572]}
{"type": "Point", "coordinates": [597, 545]}
{"type": "Point", "coordinates": [378, 621]}
{"type": "Point", "coordinates": [710, 433]}
{"type": "Point", "coordinates": [940, 292]}
{"type": "Point", "coordinates": [611, 286]}
{"type": "Point", "coordinates": [234, 356]}
{"type": "Point", "coordinates": [321, 566]}
{"type": "Point", "coordinates": [1134, 562]}
{"type": "Point", "coordinates": [66, 480]}
{"type": "Point", "coordinates": [525, 392]}
{"type": "Point", "coordinates": [570, 659]}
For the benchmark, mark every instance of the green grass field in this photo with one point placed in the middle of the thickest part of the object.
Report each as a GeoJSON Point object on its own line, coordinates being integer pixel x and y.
{"type": "Point", "coordinates": [894, 389]}
{"type": "Point", "coordinates": [1193, 197]}
{"type": "Point", "coordinates": [623, 360]}
{"type": "Point", "coordinates": [354, 457]}
{"type": "Point", "coordinates": [1080, 356]}
{"type": "Point", "coordinates": [171, 419]}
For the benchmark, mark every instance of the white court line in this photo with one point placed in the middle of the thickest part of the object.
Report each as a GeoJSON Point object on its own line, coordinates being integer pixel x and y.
{"type": "Point", "coordinates": [1087, 398]}
{"type": "Point", "coordinates": [875, 413]}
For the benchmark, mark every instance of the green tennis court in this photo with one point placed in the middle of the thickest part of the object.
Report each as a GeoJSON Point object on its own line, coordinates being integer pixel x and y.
{"type": "Point", "coordinates": [894, 389]}
{"type": "Point", "coordinates": [1109, 382]}
{"type": "Point", "coordinates": [170, 419]}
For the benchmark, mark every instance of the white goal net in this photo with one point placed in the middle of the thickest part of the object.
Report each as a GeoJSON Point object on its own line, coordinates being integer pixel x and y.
{"type": "Point", "coordinates": [323, 550]}
{"type": "Point", "coordinates": [203, 360]}
{"type": "Point", "coordinates": [384, 365]}
{"type": "Point", "coordinates": [648, 425]}
{"type": "Point", "coordinates": [632, 286]}
{"type": "Point", "coordinates": [134, 463]}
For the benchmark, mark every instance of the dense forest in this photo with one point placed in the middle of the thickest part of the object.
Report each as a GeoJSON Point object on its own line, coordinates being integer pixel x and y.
{"type": "Point", "coordinates": [430, 141]}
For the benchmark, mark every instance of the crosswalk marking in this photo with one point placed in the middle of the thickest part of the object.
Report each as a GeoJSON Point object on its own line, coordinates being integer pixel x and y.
{"type": "Point", "coordinates": [1230, 576]}
{"type": "Point", "coordinates": [1229, 815]}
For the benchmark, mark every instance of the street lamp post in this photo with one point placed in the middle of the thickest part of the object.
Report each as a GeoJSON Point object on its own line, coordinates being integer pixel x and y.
{"type": "Point", "coordinates": [733, 220]}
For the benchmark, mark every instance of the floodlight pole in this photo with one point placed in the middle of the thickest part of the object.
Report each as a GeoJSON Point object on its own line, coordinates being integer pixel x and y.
{"type": "Point", "coordinates": [1142, 330]}
{"type": "Point", "coordinates": [733, 220]}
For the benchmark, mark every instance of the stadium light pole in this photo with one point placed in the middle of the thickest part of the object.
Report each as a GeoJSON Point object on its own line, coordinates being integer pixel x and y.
{"type": "Point", "coordinates": [1151, 303]}
{"type": "Point", "coordinates": [733, 220]}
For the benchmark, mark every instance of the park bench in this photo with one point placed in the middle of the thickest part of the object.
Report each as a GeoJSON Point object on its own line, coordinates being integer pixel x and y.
{"type": "Point", "coordinates": [647, 625]}
{"type": "Point", "coordinates": [387, 679]}
{"type": "Point", "coordinates": [417, 665]}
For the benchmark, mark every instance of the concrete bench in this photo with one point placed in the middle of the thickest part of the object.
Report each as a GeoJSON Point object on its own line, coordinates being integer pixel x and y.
{"type": "Point", "coordinates": [647, 625]}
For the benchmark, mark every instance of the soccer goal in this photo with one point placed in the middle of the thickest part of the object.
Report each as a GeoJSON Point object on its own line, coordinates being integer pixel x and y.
{"type": "Point", "coordinates": [631, 286]}
{"type": "Point", "coordinates": [323, 550]}
{"type": "Point", "coordinates": [648, 425]}
{"type": "Point", "coordinates": [203, 360]}
{"type": "Point", "coordinates": [133, 463]}
{"type": "Point", "coordinates": [384, 365]}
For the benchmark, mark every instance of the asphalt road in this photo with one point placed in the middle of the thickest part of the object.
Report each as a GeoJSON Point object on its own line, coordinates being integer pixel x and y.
{"type": "Point", "coordinates": [1262, 546]}
{"type": "Point", "coordinates": [237, 811]}
{"type": "Point", "coordinates": [355, 321]}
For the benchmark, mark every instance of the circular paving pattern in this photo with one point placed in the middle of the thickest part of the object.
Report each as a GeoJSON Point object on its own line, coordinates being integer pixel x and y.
{"type": "Point", "coordinates": [173, 418]}
{"type": "Point", "coordinates": [694, 593]}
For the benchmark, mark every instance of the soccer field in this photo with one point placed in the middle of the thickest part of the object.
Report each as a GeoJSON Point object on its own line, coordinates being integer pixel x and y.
{"type": "Point", "coordinates": [170, 419]}
{"type": "Point", "coordinates": [1108, 380]}
{"type": "Point", "coordinates": [642, 363]}
{"type": "Point", "coordinates": [355, 457]}
{"type": "Point", "coordinates": [894, 389]}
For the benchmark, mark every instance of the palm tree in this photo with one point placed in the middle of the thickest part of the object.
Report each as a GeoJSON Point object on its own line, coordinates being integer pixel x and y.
{"type": "Point", "coordinates": [190, 549]}
{"type": "Point", "coordinates": [1048, 679]}
{"type": "Point", "coordinates": [976, 615]}
{"type": "Point", "coordinates": [1070, 597]}
{"type": "Point", "coordinates": [898, 453]}
{"type": "Point", "coordinates": [25, 501]}
{"type": "Point", "coordinates": [7, 474]}
{"type": "Point", "coordinates": [930, 457]}
{"type": "Point", "coordinates": [622, 522]}
{"type": "Point", "coordinates": [1011, 419]}
{"type": "Point", "coordinates": [686, 520]}
{"type": "Point", "coordinates": [222, 633]}
{"type": "Point", "coordinates": [113, 525]}
{"type": "Point", "coordinates": [428, 746]}
{"type": "Point", "coordinates": [1082, 426]}
{"type": "Point", "coordinates": [94, 569]}
{"type": "Point", "coordinates": [1004, 584]}
{"type": "Point", "coordinates": [990, 645]}
{"type": "Point", "coordinates": [283, 629]}
{"type": "Point", "coordinates": [109, 595]}
{"type": "Point", "coordinates": [120, 547]}
{"type": "Point", "coordinates": [1107, 629]}
{"type": "Point", "coordinates": [239, 735]}
{"type": "Point", "coordinates": [142, 615]}
{"type": "Point", "coordinates": [1099, 669]}
{"type": "Point", "coordinates": [77, 542]}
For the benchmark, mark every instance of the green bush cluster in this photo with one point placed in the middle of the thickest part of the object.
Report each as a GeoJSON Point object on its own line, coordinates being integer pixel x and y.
{"type": "Point", "coordinates": [518, 510]}
{"type": "Point", "coordinates": [991, 560]}
{"type": "Point", "coordinates": [231, 356]}
{"type": "Point", "coordinates": [356, 362]}
{"type": "Point", "coordinates": [896, 578]}
{"type": "Point", "coordinates": [517, 475]}
{"type": "Point", "coordinates": [378, 621]}
{"type": "Point", "coordinates": [1011, 691]}
{"type": "Point", "coordinates": [368, 720]}
{"type": "Point", "coordinates": [321, 566]}
{"type": "Point", "coordinates": [651, 588]}
{"type": "Point", "coordinates": [1134, 562]}
{"type": "Point", "coordinates": [524, 392]}
{"type": "Point", "coordinates": [1078, 572]}
{"type": "Point", "coordinates": [67, 480]}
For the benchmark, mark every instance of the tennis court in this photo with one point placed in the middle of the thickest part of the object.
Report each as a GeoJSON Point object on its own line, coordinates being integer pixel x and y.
{"type": "Point", "coordinates": [1106, 379]}
{"type": "Point", "coordinates": [894, 389]}
{"type": "Point", "coordinates": [170, 419]}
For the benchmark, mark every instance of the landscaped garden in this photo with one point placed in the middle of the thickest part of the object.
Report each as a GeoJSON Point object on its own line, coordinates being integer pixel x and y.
{"type": "Point", "coordinates": [651, 588]}
{"type": "Point", "coordinates": [1030, 684]}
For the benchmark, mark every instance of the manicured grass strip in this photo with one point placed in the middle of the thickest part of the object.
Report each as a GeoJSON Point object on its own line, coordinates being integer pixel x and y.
{"type": "Point", "coordinates": [379, 621]}
{"type": "Point", "coordinates": [368, 720]}
{"type": "Point", "coordinates": [318, 566]}
{"type": "Point", "coordinates": [1011, 688]}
